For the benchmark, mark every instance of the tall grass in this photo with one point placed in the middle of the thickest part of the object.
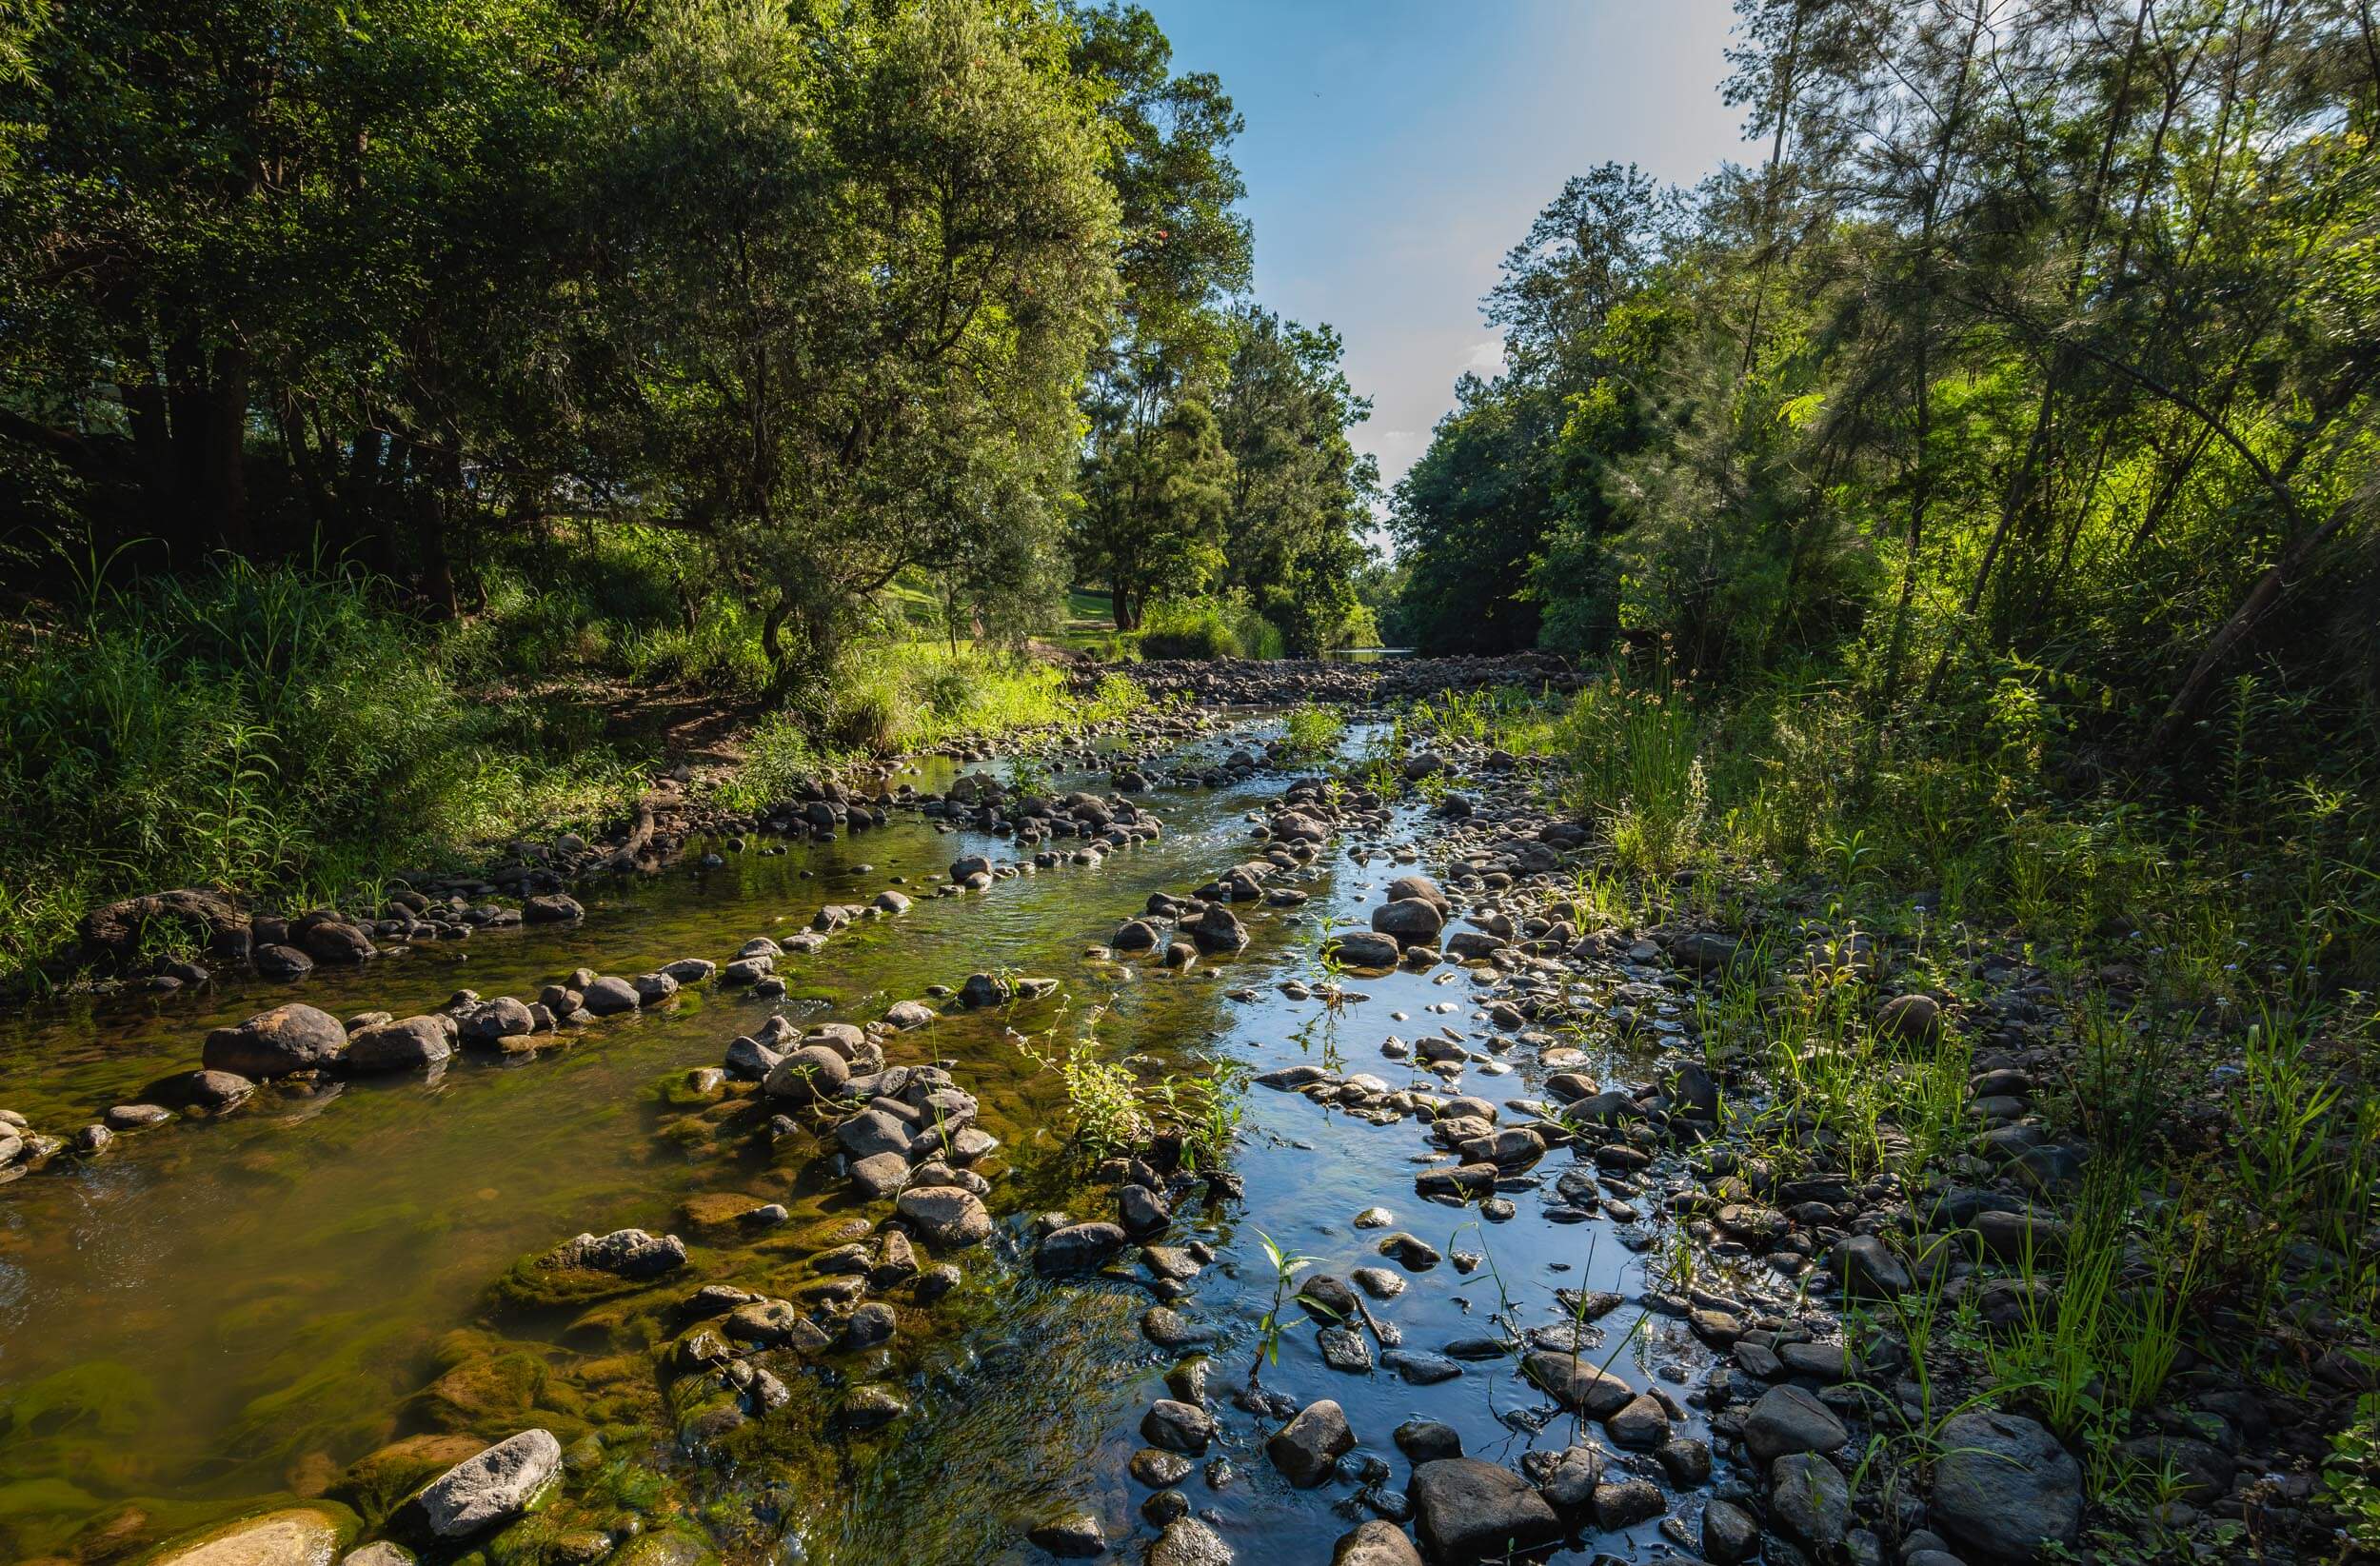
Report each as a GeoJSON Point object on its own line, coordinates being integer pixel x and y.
{"type": "Point", "coordinates": [278, 731]}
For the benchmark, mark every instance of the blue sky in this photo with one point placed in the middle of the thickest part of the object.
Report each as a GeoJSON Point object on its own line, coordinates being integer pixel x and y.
{"type": "Point", "coordinates": [1394, 151]}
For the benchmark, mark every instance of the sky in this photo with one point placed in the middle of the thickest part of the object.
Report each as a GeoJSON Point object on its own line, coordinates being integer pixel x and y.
{"type": "Point", "coordinates": [1394, 149]}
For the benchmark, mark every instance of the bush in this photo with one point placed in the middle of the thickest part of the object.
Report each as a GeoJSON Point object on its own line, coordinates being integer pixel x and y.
{"type": "Point", "coordinates": [1228, 626]}
{"type": "Point", "coordinates": [272, 731]}
{"type": "Point", "coordinates": [1192, 630]}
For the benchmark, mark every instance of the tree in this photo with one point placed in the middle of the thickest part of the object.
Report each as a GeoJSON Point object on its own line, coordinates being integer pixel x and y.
{"type": "Point", "coordinates": [1183, 248]}
{"type": "Point", "coordinates": [1300, 492]}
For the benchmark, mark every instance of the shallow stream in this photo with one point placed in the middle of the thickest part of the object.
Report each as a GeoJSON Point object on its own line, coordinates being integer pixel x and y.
{"type": "Point", "coordinates": [213, 1315]}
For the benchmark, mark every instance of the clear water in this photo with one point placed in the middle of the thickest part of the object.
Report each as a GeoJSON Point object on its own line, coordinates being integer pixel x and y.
{"type": "Point", "coordinates": [212, 1316]}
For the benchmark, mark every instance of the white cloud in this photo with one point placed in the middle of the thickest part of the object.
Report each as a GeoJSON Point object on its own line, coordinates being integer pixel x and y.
{"type": "Point", "coordinates": [1486, 358]}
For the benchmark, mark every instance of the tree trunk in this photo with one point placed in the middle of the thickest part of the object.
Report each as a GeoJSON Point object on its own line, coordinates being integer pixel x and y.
{"type": "Point", "coordinates": [226, 460]}
{"type": "Point", "coordinates": [429, 533]}
{"type": "Point", "coordinates": [2266, 596]}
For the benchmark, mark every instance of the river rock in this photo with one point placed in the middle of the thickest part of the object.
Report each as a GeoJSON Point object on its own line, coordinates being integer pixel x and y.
{"type": "Point", "coordinates": [1308, 1448]}
{"type": "Point", "coordinates": [947, 1218]}
{"type": "Point", "coordinates": [492, 1021]}
{"type": "Point", "coordinates": [623, 1252]}
{"type": "Point", "coordinates": [1807, 1496]}
{"type": "Point", "coordinates": [205, 1090]}
{"type": "Point", "coordinates": [413, 1045]}
{"type": "Point", "coordinates": [1470, 1512]}
{"type": "Point", "coordinates": [1174, 1426]}
{"type": "Point", "coordinates": [906, 1015]}
{"type": "Point", "coordinates": [1219, 930]}
{"type": "Point", "coordinates": [336, 940]}
{"type": "Point", "coordinates": [119, 929]}
{"type": "Point", "coordinates": [551, 909]}
{"type": "Point", "coordinates": [277, 1042]}
{"type": "Point", "coordinates": [813, 1073]}
{"type": "Point", "coordinates": [1374, 1543]}
{"type": "Point", "coordinates": [1787, 1419]}
{"type": "Point", "coordinates": [1362, 949]}
{"type": "Point", "coordinates": [1638, 1425]}
{"type": "Point", "coordinates": [1078, 1247]}
{"type": "Point", "coordinates": [750, 1060]}
{"type": "Point", "coordinates": [297, 1536]}
{"type": "Point", "coordinates": [1075, 1537]}
{"type": "Point", "coordinates": [1867, 1269]}
{"type": "Point", "coordinates": [1409, 922]}
{"type": "Point", "coordinates": [496, 1486]}
{"type": "Point", "coordinates": [278, 961]}
{"type": "Point", "coordinates": [1134, 935]}
{"type": "Point", "coordinates": [1910, 1019]}
{"type": "Point", "coordinates": [881, 1175]}
{"type": "Point", "coordinates": [1186, 1542]}
{"type": "Point", "coordinates": [1729, 1535]}
{"type": "Point", "coordinates": [1577, 1383]}
{"type": "Point", "coordinates": [871, 1132]}
{"type": "Point", "coordinates": [2004, 1489]}
{"type": "Point", "coordinates": [608, 996]}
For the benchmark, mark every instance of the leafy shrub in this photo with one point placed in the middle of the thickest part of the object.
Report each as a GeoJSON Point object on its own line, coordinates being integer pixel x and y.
{"type": "Point", "coordinates": [274, 730]}
{"type": "Point", "coordinates": [1192, 630]}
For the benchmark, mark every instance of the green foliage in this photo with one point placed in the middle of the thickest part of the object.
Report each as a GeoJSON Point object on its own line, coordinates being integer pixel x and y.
{"type": "Point", "coordinates": [1936, 392]}
{"type": "Point", "coordinates": [1313, 732]}
{"type": "Point", "coordinates": [1207, 629]}
{"type": "Point", "coordinates": [266, 730]}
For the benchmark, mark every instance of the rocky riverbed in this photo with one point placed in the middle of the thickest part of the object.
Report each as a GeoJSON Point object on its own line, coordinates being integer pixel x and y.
{"type": "Point", "coordinates": [728, 1211]}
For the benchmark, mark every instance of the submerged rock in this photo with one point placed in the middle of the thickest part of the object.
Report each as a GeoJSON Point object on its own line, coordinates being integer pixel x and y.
{"type": "Point", "coordinates": [302, 1535]}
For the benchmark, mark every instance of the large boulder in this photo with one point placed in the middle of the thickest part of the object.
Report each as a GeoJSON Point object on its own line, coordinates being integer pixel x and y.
{"type": "Point", "coordinates": [2004, 1489]}
{"type": "Point", "coordinates": [1469, 1511]}
{"type": "Point", "coordinates": [277, 1042]}
{"type": "Point", "coordinates": [498, 1485]}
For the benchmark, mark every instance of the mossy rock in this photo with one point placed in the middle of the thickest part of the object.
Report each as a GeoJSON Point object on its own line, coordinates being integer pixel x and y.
{"type": "Point", "coordinates": [670, 1549]}
{"type": "Point", "coordinates": [531, 1285]}
{"type": "Point", "coordinates": [377, 1482]}
{"type": "Point", "coordinates": [689, 1090]}
{"type": "Point", "coordinates": [485, 1391]}
{"type": "Point", "coordinates": [717, 1216]}
{"type": "Point", "coordinates": [295, 1536]}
